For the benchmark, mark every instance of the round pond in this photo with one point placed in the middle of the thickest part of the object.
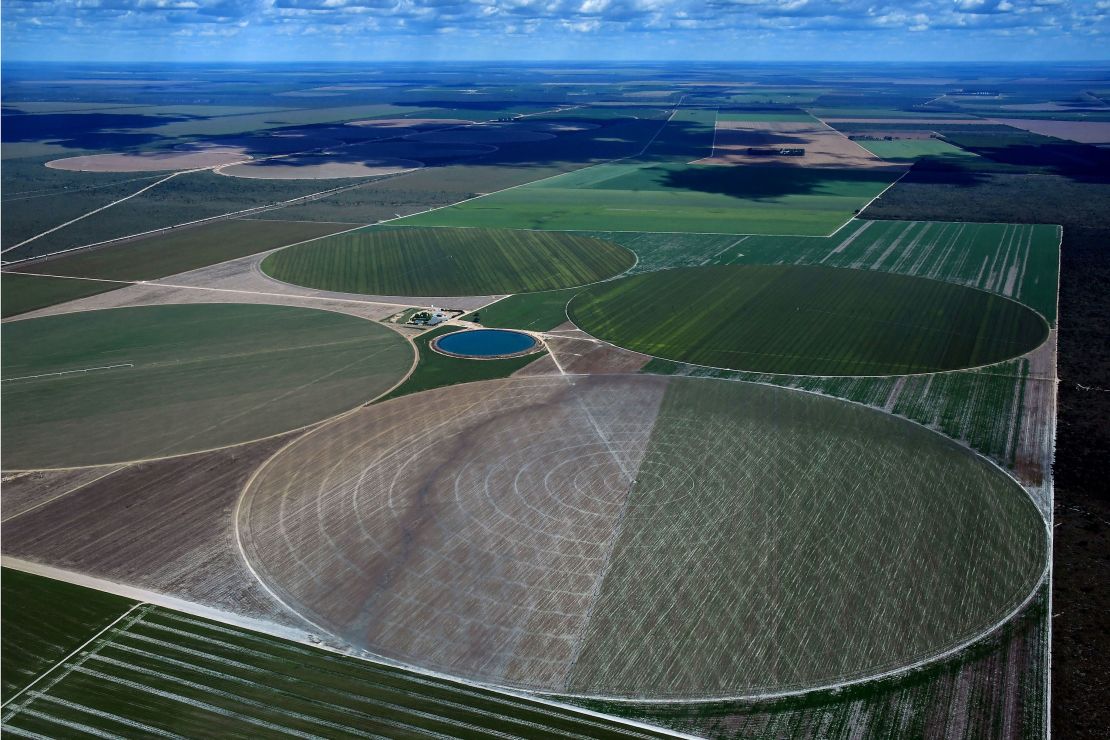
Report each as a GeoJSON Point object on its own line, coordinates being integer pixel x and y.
{"type": "Point", "coordinates": [485, 343]}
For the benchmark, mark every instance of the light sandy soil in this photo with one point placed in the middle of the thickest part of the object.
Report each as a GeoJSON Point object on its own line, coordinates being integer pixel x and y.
{"type": "Point", "coordinates": [318, 168]}
{"type": "Point", "coordinates": [823, 146]}
{"type": "Point", "coordinates": [152, 161]}
{"type": "Point", "coordinates": [25, 491]}
{"type": "Point", "coordinates": [1084, 132]}
{"type": "Point", "coordinates": [572, 350]}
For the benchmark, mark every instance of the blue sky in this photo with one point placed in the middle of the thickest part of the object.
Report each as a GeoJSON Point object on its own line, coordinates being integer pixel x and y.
{"type": "Point", "coordinates": [770, 30]}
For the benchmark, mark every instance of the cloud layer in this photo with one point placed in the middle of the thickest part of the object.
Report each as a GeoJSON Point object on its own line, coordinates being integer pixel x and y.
{"type": "Point", "coordinates": [506, 29]}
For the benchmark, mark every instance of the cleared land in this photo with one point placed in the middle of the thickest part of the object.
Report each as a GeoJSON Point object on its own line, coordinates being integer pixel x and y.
{"type": "Point", "coordinates": [125, 384]}
{"type": "Point", "coordinates": [807, 320]}
{"type": "Point", "coordinates": [317, 167]}
{"type": "Point", "coordinates": [448, 262]}
{"type": "Point", "coordinates": [163, 673]}
{"type": "Point", "coordinates": [543, 532]}
{"type": "Point", "coordinates": [823, 146]}
{"type": "Point", "coordinates": [151, 161]}
{"type": "Point", "coordinates": [675, 198]}
{"type": "Point", "coordinates": [1084, 132]}
{"type": "Point", "coordinates": [44, 621]}
{"type": "Point", "coordinates": [909, 150]}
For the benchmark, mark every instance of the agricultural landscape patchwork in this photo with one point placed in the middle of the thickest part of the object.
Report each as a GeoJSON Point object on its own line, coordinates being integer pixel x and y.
{"type": "Point", "coordinates": [780, 463]}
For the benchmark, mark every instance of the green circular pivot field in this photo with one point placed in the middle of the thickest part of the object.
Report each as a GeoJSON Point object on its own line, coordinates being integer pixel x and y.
{"type": "Point", "coordinates": [807, 320]}
{"type": "Point", "coordinates": [136, 383]}
{"type": "Point", "coordinates": [448, 262]}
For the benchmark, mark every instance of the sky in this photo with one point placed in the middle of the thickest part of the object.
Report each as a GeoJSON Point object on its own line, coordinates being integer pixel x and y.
{"type": "Point", "coordinates": [581, 30]}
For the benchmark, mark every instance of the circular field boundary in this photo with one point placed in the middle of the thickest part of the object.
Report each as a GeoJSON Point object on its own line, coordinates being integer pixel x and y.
{"type": "Point", "coordinates": [896, 673]}
{"type": "Point", "coordinates": [1047, 337]}
{"type": "Point", "coordinates": [303, 429]}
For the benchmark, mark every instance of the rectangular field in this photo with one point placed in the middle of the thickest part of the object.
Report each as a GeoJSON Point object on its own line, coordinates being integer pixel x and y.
{"type": "Point", "coordinates": [645, 197]}
{"type": "Point", "coordinates": [909, 150]}
{"type": "Point", "coordinates": [735, 143]}
{"type": "Point", "coordinates": [158, 671]}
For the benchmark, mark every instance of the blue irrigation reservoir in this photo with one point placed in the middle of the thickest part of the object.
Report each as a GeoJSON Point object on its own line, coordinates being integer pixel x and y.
{"type": "Point", "coordinates": [485, 343]}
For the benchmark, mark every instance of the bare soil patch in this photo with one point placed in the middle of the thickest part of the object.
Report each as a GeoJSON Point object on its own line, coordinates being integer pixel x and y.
{"type": "Point", "coordinates": [153, 161]}
{"type": "Point", "coordinates": [321, 167]}
{"type": "Point", "coordinates": [1084, 132]}
{"type": "Point", "coordinates": [823, 146]}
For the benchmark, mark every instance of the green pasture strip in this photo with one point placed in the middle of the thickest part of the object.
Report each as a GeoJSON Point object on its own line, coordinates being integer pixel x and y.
{"type": "Point", "coordinates": [867, 112]}
{"type": "Point", "coordinates": [769, 116]}
{"type": "Point", "coordinates": [169, 672]}
{"type": "Point", "coordinates": [23, 293]}
{"type": "Point", "coordinates": [532, 311]}
{"type": "Point", "coordinates": [663, 197]}
{"type": "Point", "coordinates": [824, 502]}
{"type": "Point", "coordinates": [807, 320]}
{"type": "Point", "coordinates": [448, 262]}
{"type": "Point", "coordinates": [181, 250]}
{"type": "Point", "coordinates": [134, 383]}
{"type": "Point", "coordinates": [45, 620]}
{"type": "Point", "coordinates": [435, 370]}
{"type": "Point", "coordinates": [910, 150]}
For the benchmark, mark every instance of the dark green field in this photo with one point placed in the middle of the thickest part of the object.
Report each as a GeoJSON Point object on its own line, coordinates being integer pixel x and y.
{"type": "Point", "coordinates": [807, 320]}
{"type": "Point", "coordinates": [23, 293]}
{"type": "Point", "coordinates": [532, 311]}
{"type": "Point", "coordinates": [158, 671]}
{"type": "Point", "coordinates": [45, 620]}
{"type": "Point", "coordinates": [133, 383]}
{"type": "Point", "coordinates": [448, 262]}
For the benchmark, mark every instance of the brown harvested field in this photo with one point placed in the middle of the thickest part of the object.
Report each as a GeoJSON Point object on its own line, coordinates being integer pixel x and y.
{"type": "Point", "coordinates": [165, 526]}
{"type": "Point", "coordinates": [422, 528]}
{"type": "Point", "coordinates": [152, 161]}
{"type": "Point", "coordinates": [824, 147]}
{"type": "Point", "coordinates": [1084, 132]}
{"type": "Point", "coordinates": [25, 490]}
{"type": "Point", "coordinates": [322, 167]}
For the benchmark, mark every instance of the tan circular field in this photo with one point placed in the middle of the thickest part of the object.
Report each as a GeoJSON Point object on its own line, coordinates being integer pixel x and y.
{"type": "Point", "coordinates": [317, 168]}
{"type": "Point", "coordinates": [557, 127]}
{"type": "Point", "coordinates": [152, 161]}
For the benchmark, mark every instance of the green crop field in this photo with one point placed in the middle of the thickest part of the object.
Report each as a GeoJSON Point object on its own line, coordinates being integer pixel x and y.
{"type": "Point", "coordinates": [448, 262]}
{"type": "Point", "coordinates": [672, 198]}
{"type": "Point", "coordinates": [532, 311]}
{"type": "Point", "coordinates": [1016, 260]}
{"type": "Point", "coordinates": [162, 673]}
{"type": "Point", "coordinates": [807, 320]}
{"type": "Point", "coordinates": [774, 539]}
{"type": "Point", "coordinates": [435, 370]}
{"type": "Point", "coordinates": [909, 150]}
{"type": "Point", "coordinates": [23, 293]}
{"type": "Point", "coordinates": [45, 620]}
{"type": "Point", "coordinates": [131, 383]}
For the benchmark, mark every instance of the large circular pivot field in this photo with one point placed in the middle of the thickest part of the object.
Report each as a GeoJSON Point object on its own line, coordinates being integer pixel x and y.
{"type": "Point", "coordinates": [641, 536]}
